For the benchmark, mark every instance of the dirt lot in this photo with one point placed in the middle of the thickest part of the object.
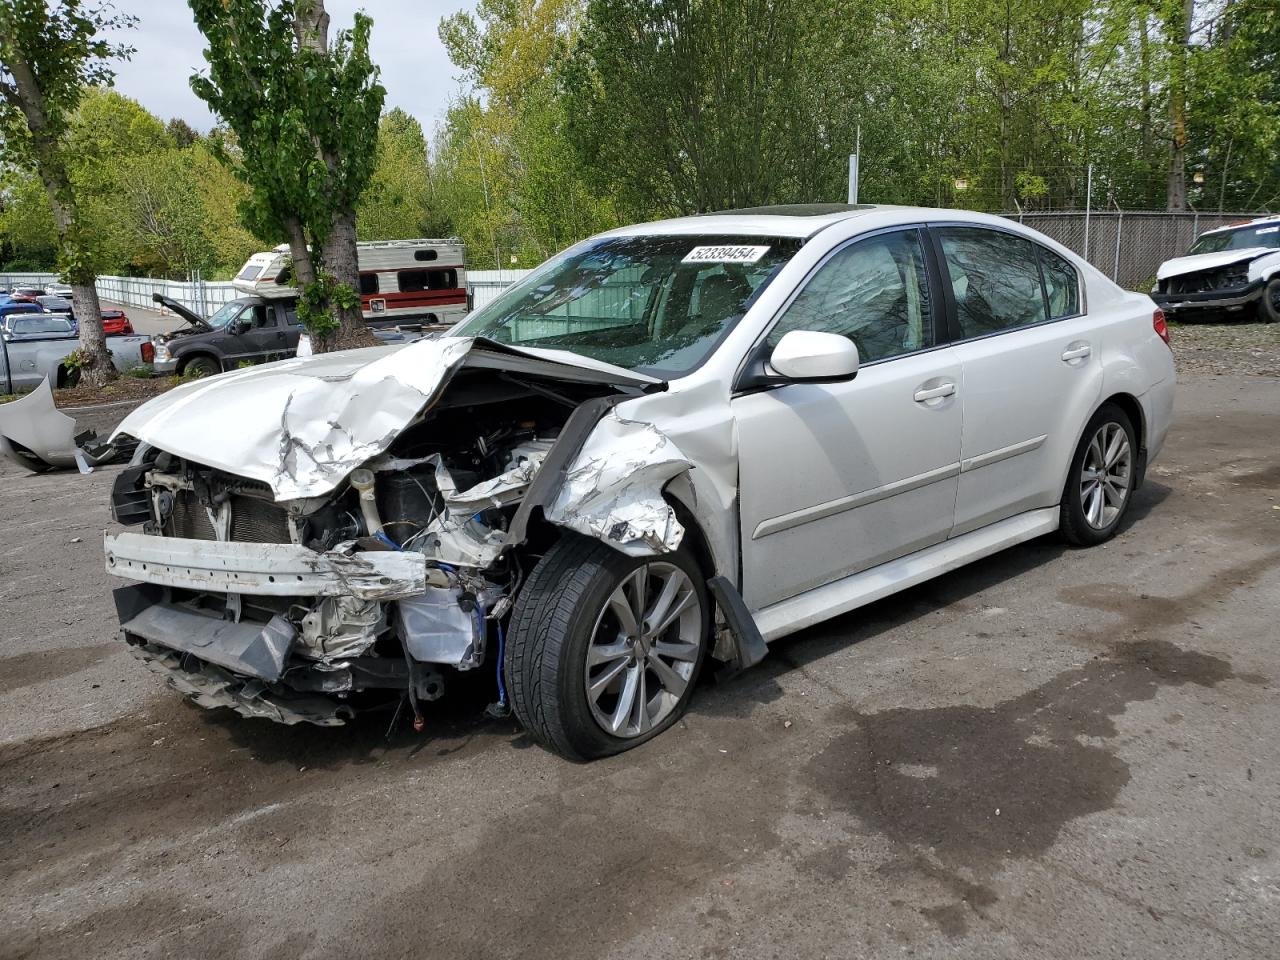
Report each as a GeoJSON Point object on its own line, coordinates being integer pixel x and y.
{"type": "Point", "coordinates": [1052, 753]}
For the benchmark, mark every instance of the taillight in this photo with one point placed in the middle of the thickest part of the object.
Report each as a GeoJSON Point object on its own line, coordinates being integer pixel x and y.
{"type": "Point", "coordinates": [148, 351]}
{"type": "Point", "coordinates": [1161, 328]}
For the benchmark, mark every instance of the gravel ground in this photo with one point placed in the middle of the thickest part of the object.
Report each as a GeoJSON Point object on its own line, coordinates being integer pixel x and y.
{"type": "Point", "coordinates": [1051, 753]}
{"type": "Point", "coordinates": [1227, 349]}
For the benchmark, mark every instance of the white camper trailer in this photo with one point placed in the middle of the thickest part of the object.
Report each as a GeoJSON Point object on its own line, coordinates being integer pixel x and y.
{"type": "Point", "coordinates": [401, 281]}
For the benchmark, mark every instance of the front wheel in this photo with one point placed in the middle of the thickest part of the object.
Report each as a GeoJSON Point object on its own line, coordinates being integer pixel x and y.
{"type": "Point", "coordinates": [605, 649]}
{"type": "Point", "coordinates": [1100, 484]}
{"type": "Point", "coordinates": [1269, 304]}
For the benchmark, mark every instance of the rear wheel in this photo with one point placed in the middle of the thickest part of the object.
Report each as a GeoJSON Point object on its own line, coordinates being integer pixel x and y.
{"type": "Point", "coordinates": [1269, 305]}
{"type": "Point", "coordinates": [605, 649]}
{"type": "Point", "coordinates": [1100, 484]}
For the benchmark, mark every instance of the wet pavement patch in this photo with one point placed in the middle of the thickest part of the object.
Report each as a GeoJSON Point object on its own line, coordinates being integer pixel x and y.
{"type": "Point", "coordinates": [27, 669]}
{"type": "Point", "coordinates": [967, 788]}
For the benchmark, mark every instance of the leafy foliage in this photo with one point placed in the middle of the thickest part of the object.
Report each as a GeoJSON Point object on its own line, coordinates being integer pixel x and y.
{"type": "Point", "coordinates": [302, 111]}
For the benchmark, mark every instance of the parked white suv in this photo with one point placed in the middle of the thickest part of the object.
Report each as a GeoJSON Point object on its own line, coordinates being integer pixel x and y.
{"type": "Point", "coordinates": [673, 442]}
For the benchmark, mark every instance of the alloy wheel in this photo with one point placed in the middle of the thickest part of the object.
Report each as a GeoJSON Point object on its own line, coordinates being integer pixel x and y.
{"type": "Point", "coordinates": [644, 650]}
{"type": "Point", "coordinates": [1104, 475]}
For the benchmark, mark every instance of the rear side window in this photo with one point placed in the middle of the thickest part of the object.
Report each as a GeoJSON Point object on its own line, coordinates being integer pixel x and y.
{"type": "Point", "coordinates": [368, 284]}
{"type": "Point", "coordinates": [1061, 285]}
{"type": "Point", "coordinates": [995, 279]}
{"type": "Point", "coordinates": [875, 292]}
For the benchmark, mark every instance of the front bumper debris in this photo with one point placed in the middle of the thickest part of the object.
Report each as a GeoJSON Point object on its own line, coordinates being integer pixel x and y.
{"type": "Point", "coordinates": [1229, 299]}
{"type": "Point", "coordinates": [267, 569]}
{"type": "Point", "coordinates": [211, 686]}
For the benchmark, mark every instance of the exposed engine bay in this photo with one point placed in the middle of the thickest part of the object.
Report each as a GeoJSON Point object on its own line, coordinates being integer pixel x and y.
{"type": "Point", "coordinates": [309, 609]}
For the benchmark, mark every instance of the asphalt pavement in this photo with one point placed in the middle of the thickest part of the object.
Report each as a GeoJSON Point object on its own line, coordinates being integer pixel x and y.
{"type": "Point", "coordinates": [1052, 753]}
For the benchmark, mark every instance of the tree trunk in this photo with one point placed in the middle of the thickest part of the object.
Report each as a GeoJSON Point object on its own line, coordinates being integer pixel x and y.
{"type": "Point", "coordinates": [337, 255]}
{"type": "Point", "coordinates": [338, 258]}
{"type": "Point", "coordinates": [95, 362]}
{"type": "Point", "coordinates": [1179, 39]}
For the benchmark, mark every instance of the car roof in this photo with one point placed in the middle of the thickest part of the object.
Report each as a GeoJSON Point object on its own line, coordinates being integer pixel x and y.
{"type": "Point", "coordinates": [1257, 221]}
{"type": "Point", "coordinates": [798, 220]}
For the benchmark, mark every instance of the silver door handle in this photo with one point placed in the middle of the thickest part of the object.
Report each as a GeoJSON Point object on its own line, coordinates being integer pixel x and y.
{"type": "Point", "coordinates": [1077, 353]}
{"type": "Point", "coordinates": [932, 393]}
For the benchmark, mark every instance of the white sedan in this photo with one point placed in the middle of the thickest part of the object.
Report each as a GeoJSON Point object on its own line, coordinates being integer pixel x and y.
{"type": "Point", "coordinates": [671, 443]}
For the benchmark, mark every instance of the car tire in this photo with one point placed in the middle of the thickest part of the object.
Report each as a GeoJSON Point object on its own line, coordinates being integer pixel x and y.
{"type": "Point", "coordinates": [200, 366]}
{"type": "Point", "coordinates": [1101, 480]}
{"type": "Point", "coordinates": [1269, 303]}
{"type": "Point", "coordinates": [568, 630]}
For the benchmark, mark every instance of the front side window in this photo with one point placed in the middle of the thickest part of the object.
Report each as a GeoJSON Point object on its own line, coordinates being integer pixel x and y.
{"type": "Point", "coordinates": [995, 280]}
{"type": "Point", "coordinates": [655, 304]}
{"type": "Point", "coordinates": [874, 291]}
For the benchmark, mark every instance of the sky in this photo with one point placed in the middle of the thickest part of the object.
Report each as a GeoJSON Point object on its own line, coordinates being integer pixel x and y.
{"type": "Point", "coordinates": [415, 70]}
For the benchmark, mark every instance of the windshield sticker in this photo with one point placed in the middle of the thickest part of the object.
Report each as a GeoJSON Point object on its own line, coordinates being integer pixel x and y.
{"type": "Point", "coordinates": [725, 254]}
{"type": "Point", "coordinates": [1268, 230]}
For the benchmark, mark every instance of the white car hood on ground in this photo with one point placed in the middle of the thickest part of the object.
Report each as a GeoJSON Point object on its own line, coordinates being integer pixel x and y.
{"type": "Point", "coordinates": [1209, 261]}
{"type": "Point", "coordinates": [302, 425]}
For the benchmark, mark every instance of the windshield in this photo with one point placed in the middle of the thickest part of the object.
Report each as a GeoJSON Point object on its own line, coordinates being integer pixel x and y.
{"type": "Point", "coordinates": [658, 305]}
{"type": "Point", "coordinates": [226, 313]}
{"type": "Point", "coordinates": [1260, 235]}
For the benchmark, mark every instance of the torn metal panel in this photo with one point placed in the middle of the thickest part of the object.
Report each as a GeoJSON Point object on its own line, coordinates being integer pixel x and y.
{"type": "Point", "coordinates": [265, 569]}
{"type": "Point", "coordinates": [34, 434]}
{"type": "Point", "coordinates": [436, 629]}
{"type": "Point", "coordinates": [211, 686]}
{"type": "Point", "coordinates": [613, 489]}
{"type": "Point", "coordinates": [250, 649]}
{"type": "Point", "coordinates": [698, 419]}
{"type": "Point", "coordinates": [302, 425]}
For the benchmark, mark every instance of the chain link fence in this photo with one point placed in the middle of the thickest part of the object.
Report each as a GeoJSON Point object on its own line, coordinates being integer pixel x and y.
{"type": "Point", "coordinates": [1127, 245]}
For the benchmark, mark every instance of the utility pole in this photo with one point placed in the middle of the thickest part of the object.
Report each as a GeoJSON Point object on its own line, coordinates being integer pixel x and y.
{"type": "Point", "coordinates": [1088, 203]}
{"type": "Point", "coordinates": [854, 159]}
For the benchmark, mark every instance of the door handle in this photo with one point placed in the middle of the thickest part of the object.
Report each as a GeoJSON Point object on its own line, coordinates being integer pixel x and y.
{"type": "Point", "coordinates": [1076, 352]}
{"type": "Point", "coordinates": [925, 394]}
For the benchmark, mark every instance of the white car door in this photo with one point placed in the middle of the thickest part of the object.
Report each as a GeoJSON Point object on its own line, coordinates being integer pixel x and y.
{"type": "Point", "coordinates": [838, 477]}
{"type": "Point", "coordinates": [1030, 369]}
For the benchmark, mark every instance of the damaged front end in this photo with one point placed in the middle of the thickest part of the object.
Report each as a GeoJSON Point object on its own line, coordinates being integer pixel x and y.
{"type": "Point", "coordinates": [374, 543]}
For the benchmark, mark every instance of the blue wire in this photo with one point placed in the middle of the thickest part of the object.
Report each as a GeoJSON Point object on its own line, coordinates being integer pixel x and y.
{"type": "Point", "coordinates": [502, 689]}
{"type": "Point", "coordinates": [387, 540]}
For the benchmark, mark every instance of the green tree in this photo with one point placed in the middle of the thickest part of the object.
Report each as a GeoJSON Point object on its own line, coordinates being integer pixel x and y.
{"type": "Point", "coordinates": [395, 204]}
{"type": "Point", "coordinates": [49, 54]}
{"type": "Point", "coordinates": [304, 113]}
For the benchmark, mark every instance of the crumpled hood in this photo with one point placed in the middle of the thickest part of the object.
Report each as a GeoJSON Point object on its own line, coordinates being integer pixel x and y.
{"type": "Point", "coordinates": [301, 425]}
{"type": "Point", "coordinates": [1209, 261]}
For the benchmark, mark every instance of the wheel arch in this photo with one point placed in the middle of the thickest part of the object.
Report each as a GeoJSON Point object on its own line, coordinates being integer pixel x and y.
{"type": "Point", "coordinates": [185, 359]}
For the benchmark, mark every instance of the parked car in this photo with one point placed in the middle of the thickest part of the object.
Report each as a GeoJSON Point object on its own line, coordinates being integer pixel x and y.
{"type": "Point", "coordinates": [671, 443]}
{"type": "Point", "coordinates": [29, 293]}
{"type": "Point", "coordinates": [1230, 272]}
{"type": "Point", "coordinates": [252, 329]}
{"type": "Point", "coordinates": [59, 289]}
{"type": "Point", "coordinates": [9, 308]}
{"type": "Point", "coordinates": [115, 323]}
{"type": "Point", "coordinates": [54, 304]}
{"type": "Point", "coordinates": [34, 346]}
{"type": "Point", "coordinates": [33, 326]}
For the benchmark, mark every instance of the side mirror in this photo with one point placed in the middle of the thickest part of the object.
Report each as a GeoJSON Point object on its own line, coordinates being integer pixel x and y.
{"type": "Point", "coordinates": [241, 326]}
{"type": "Point", "coordinates": [807, 355]}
